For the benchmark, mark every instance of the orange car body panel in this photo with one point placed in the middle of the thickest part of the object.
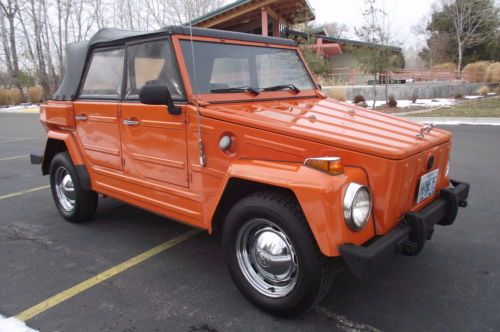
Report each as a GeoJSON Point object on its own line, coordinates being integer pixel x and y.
{"type": "Point", "coordinates": [99, 134]}
{"type": "Point", "coordinates": [155, 165]}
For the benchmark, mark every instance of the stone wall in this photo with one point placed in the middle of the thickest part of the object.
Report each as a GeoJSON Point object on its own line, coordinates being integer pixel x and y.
{"type": "Point", "coordinates": [406, 91]}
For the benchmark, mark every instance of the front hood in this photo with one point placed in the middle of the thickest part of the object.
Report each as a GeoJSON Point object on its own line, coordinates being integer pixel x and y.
{"type": "Point", "coordinates": [334, 123]}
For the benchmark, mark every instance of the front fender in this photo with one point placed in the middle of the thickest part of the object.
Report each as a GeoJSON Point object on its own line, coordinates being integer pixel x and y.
{"type": "Point", "coordinates": [319, 194]}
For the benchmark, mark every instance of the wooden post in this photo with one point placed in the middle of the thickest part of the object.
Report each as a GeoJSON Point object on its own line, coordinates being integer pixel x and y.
{"type": "Point", "coordinates": [264, 21]}
{"type": "Point", "coordinates": [319, 45]}
{"type": "Point", "coordinates": [277, 31]}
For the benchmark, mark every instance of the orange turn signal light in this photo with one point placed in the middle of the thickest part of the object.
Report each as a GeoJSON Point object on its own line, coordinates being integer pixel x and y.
{"type": "Point", "coordinates": [330, 165]}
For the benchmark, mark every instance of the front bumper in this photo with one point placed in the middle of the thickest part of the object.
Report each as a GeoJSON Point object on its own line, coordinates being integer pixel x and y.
{"type": "Point", "coordinates": [410, 236]}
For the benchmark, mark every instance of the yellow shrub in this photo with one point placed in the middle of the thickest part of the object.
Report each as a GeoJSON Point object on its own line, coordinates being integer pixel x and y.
{"type": "Point", "coordinates": [447, 66]}
{"type": "Point", "coordinates": [493, 73]}
{"type": "Point", "coordinates": [483, 91]}
{"type": "Point", "coordinates": [475, 72]}
{"type": "Point", "coordinates": [14, 96]}
{"type": "Point", "coordinates": [4, 97]}
{"type": "Point", "coordinates": [35, 94]}
{"type": "Point", "coordinates": [337, 93]}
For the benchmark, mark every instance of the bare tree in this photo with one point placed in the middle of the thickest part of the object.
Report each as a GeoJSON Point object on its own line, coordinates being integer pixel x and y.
{"type": "Point", "coordinates": [5, 42]}
{"type": "Point", "coordinates": [10, 9]}
{"type": "Point", "coordinates": [34, 33]}
{"type": "Point", "coordinates": [468, 17]}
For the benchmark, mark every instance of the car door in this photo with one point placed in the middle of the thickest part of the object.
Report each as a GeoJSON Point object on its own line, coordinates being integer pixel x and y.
{"type": "Point", "coordinates": [97, 108]}
{"type": "Point", "coordinates": [153, 141]}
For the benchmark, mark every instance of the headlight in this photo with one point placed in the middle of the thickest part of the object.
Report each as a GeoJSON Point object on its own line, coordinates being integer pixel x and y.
{"type": "Point", "coordinates": [357, 206]}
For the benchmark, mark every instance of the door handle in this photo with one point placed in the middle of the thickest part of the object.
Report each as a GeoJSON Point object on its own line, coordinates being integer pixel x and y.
{"type": "Point", "coordinates": [129, 122]}
{"type": "Point", "coordinates": [81, 117]}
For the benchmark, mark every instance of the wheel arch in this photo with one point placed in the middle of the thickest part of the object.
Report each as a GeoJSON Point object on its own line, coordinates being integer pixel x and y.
{"type": "Point", "coordinates": [64, 142]}
{"type": "Point", "coordinates": [236, 188]}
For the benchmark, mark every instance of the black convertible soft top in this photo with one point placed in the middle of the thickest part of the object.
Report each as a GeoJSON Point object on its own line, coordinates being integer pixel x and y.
{"type": "Point", "coordinates": [77, 53]}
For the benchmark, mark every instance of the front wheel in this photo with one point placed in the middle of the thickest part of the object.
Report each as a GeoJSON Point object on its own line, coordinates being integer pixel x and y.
{"type": "Point", "coordinates": [272, 255]}
{"type": "Point", "coordinates": [74, 203]}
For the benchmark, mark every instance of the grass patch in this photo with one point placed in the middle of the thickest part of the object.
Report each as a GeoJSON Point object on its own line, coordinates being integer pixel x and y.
{"type": "Point", "coordinates": [483, 107]}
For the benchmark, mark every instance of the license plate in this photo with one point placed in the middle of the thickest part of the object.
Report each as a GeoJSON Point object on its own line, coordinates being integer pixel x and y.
{"type": "Point", "coordinates": [427, 185]}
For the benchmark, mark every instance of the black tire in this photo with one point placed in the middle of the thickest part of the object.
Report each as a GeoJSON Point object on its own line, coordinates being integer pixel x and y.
{"type": "Point", "coordinates": [84, 202]}
{"type": "Point", "coordinates": [315, 271]}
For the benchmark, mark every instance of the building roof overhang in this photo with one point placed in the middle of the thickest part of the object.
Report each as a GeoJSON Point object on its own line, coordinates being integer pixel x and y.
{"type": "Point", "coordinates": [292, 11]}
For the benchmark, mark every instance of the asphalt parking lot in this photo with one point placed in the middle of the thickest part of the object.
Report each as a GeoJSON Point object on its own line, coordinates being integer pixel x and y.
{"type": "Point", "coordinates": [454, 284]}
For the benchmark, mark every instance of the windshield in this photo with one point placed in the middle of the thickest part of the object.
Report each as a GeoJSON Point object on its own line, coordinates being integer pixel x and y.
{"type": "Point", "coordinates": [234, 68]}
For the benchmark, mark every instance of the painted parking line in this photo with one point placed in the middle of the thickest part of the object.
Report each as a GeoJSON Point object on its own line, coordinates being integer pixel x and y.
{"type": "Point", "coordinates": [97, 279]}
{"type": "Point", "coordinates": [22, 192]}
{"type": "Point", "coordinates": [18, 139]}
{"type": "Point", "coordinates": [15, 157]}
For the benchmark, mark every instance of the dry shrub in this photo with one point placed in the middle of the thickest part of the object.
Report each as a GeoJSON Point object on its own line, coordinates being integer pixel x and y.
{"type": "Point", "coordinates": [35, 94]}
{"type": "Point", "coordinates": [483, 91]}
{"type": "Point", "coordinates": [447, 66]}
{"type": "Point", "coordinates": [14, 96]}
{"type": "Point", "coordinates": [359, 99]}
{"type": "Point", "coordinates": [458, 96]}
{"type": "Point", "coordinates": [337, 93]}
{"type": "Point", "coordinates": [392, 102]}
{"type": "Point", "coordinates": [475, 72]}
{"type": "Point", "coordinates": [492, 74]}
{"type": "Point", "coordinates": [414, 98]}
{"type": "Point", "coordinates": [4, 97]}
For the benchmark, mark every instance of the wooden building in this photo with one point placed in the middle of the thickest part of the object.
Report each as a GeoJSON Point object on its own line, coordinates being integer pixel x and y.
{"type": "Point", "coordinates": [276, 18]}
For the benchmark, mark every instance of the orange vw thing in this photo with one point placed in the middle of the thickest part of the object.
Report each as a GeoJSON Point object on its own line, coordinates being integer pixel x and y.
{"type": "Point", "coordinates": [230, 132]}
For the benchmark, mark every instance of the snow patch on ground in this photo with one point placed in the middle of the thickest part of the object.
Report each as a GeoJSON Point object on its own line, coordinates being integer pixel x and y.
{"type": "Point", "coordinates": [13, 325]}
{"type": "Point", "coordinates": [430, 103]}
{"type": "Point", "coordinates": [23, 108]}
{"type": "Point", "coordinates": [423, 103]}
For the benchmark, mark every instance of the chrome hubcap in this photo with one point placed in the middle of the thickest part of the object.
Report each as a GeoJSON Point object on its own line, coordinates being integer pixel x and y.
{"type": "Point", "coordinates": [64, 189]}
{"type": "Point", "coordinates": [267, 258]}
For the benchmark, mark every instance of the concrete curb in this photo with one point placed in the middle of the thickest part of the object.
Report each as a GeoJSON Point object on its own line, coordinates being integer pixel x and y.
{"type": "Point", "coordinates": [456, 121]}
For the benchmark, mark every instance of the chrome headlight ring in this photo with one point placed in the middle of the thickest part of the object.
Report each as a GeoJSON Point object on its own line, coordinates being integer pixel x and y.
{"type": "Point", "coordinates": [357, 206]}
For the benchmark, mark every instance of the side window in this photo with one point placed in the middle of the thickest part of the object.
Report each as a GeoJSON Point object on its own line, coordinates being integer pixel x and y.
{"type": "Point", "coordinates": [152, 63]}
{"type": "Point", "coordinates": [104, 76]}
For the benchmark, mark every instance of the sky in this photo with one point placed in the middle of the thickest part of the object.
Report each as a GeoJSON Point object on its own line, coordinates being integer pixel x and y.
{"type": "Point", "coordinates": [404, 14]}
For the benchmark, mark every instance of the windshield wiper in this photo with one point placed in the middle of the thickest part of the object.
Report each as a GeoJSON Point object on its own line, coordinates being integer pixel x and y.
{"type": "Point", "coordinates": [248, 89]}
{"type": "Point", "coordinates": [282, 87]}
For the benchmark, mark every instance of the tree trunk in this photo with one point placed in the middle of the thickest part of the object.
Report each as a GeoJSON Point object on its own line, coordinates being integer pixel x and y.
{"type": "Point", "coordinates": [374, 89]}
{"type": "Point", "coordinates": [460, 55]}
{"type": "Point", "coordinates": [15, 59]}
{"type": "Point", "coordinates": [5, 42]}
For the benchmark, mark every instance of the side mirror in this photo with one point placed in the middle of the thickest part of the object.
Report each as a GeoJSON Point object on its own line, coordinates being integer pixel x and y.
{"type": "Point", "coordinates": [158, 95]}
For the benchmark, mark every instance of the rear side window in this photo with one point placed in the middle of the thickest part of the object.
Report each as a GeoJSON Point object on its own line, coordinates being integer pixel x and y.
{"type": "Point", "coordinates": [152, 63]}
{"type": "Point", "coordinates": [104, 76]}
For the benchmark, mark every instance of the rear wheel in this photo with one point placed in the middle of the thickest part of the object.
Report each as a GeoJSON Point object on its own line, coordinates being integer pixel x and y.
{"type": "Point", "coordinates": [272, 255]}
{"type": "Point", "coordinates": [74, 203]}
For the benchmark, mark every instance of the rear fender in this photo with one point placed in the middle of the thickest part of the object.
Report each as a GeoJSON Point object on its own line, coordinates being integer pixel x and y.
{"type": "Point", "coordinates": [64, 141]}
{"type": "Point", "coordinates": [319, 194]}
